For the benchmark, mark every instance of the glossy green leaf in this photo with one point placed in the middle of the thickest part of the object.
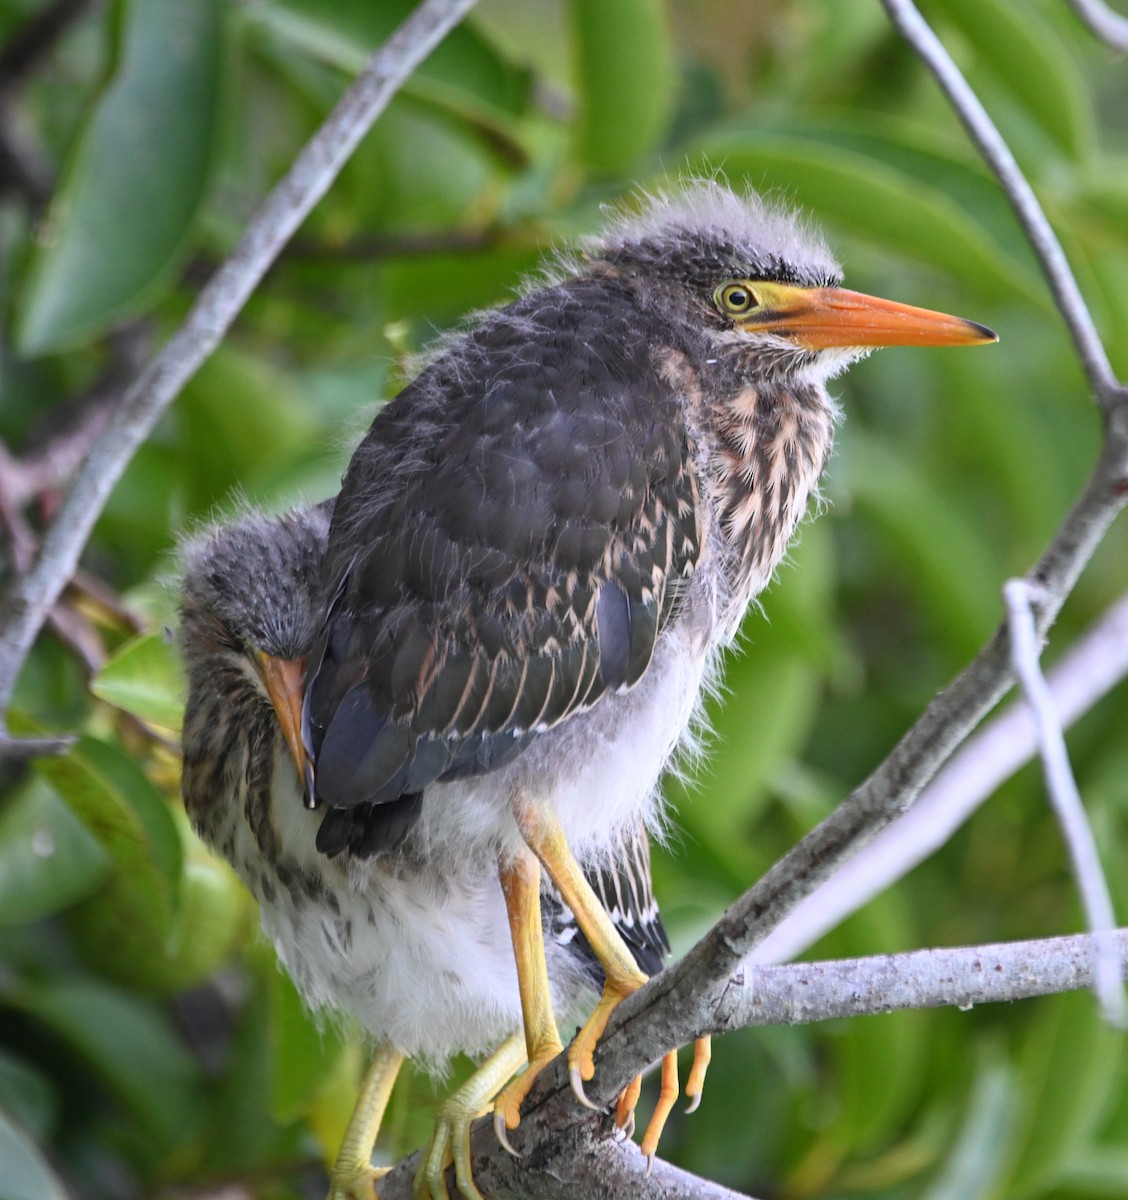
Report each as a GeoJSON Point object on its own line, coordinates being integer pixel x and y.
{"type": "Point", "coordinates": [870, 200]}
{"type": "Point", "coordinates": [1070, 1067]}
{"type": "Point", "coordinates": [27, 1174]}
{"type": "Point", "coordinates": [28, 1095]}
{"type": "Point", "coordinates": [306, 1050]}
{"type": "Point", "coordinates": [132, 1046]}
{"type": "Point", "coordinates": [144, 677]}
{"type": "Point", "coordinates": [1028, 58]}
{"type": "Point", "coordinates": [466, 66]}
{"type": "Point", "coordinates": [135, 179]}
{"type": "Point", "coordinates": [623, 64]}
{"type": "Point", "coordinates": [48, 859]}
{"type": "Point", "coordinates": [122, 808]}
{"type": "Point", "coordinates": [927, 530]}
{"type": "Point", "coordinates": [972, 1166]}
{"type": "Point", "coordinates": [938, 161]}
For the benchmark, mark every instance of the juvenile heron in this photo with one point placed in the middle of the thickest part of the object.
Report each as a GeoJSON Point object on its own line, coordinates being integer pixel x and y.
{"type": "Point", "coordinates": [251, 607]}
{"type": "Point", "coordinates": [539, 550]}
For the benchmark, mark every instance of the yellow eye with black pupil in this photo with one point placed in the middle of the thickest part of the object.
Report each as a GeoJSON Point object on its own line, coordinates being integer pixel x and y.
{"type": "Point", "coordinates": [735, 299]}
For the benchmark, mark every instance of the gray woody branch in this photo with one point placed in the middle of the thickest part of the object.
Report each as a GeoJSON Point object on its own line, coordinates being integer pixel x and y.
{"type": "Point", "coordinates": [314, 169]}
{"type": "Point", "coordinates": [569, 1152]}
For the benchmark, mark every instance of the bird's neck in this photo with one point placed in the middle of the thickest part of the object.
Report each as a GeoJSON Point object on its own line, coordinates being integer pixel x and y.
{"type": "Point", "coordinates": [764, 448]}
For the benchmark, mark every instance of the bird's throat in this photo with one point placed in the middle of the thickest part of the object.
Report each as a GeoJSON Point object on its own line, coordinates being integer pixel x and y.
{"type": "Point", "coordinates": [768, 447]}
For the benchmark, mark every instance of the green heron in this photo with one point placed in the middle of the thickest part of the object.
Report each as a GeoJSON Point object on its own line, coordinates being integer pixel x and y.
{"type": "Point", "coordinates": [539, 551]}
{"type": "Point", "coordinates": [251, 608]}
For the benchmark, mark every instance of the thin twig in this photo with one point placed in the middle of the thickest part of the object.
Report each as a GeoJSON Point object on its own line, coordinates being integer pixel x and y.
{"type": "Point", "coordinates": [217, 306]}
{"type": "Point", "coordinates": [1065, 798]}
{"type": "Point", "coordinates": [1096, 663]}
{"type": "Point", "coordinates": [1109, 26]}
{"type": "Point", "coordinates": [983, 132]}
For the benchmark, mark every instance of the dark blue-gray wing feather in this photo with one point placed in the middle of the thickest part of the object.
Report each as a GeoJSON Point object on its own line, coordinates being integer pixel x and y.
{"type": "Point", "coordinates": [510, 539]}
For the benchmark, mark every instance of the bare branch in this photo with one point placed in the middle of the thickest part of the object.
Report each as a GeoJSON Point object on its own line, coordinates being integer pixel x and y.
{"type": "Point", "coordinates": [217, 306]}
{"type": "Point", "coordinates": [33, 747]}
{"type": "Point", "coordinates": [574, 1156]}
{"type": "Point", "coordinates": [1110, 27]}
{"type": "Point", "coordinates": [1087, 672]}
{"type": "Point", "coordinates": [1066, 799]}
{"type": "Point", "coordinates": [567, 1148]}
{"type": "Point", "coordinates": [916, 31]}
{"type": "Point", "coordinates": [800, 993]}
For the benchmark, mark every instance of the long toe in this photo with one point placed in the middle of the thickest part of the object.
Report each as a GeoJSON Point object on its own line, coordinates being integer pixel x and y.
{"type": "Point", "coordinates": [695, 1084]}
{"type": "Point", "coordinates": [450, 1141]}
{"type": "Point", "coordinates": [667, 1098]}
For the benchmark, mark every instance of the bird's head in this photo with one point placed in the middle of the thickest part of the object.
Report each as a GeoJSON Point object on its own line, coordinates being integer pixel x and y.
{"type": "Point", "coordinates": [761, 283]}
{"type": "Point", "coordinates": [252, 604]}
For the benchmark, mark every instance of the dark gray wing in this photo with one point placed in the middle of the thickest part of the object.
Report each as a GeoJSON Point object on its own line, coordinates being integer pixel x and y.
{"type": "Point", "coordinates": [511, 537]}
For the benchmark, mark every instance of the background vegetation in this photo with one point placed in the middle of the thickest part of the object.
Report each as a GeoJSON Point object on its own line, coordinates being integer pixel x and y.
{"type": "Point", "coordinates": [148, 1043]}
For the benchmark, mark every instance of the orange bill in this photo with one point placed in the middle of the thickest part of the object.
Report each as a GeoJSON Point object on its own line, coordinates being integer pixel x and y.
{"type": "Point", "coordinates": [823, 318]}
{"type": "Point", "coordinates": [285, 680]}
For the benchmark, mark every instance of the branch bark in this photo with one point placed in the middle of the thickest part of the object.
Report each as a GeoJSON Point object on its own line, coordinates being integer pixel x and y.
{"type": "Point", "coordinates": [570, 1152]}
{"type": "Point", "coordinates": [219, 303]}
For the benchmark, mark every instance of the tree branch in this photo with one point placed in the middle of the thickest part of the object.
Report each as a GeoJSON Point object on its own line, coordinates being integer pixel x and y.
{"type": "Point", "coordinates": [1110, 27]}
{"type": "Point", "coordinates": [570, 1152]}
{"type": "Point", "coordinates": [217, 306]}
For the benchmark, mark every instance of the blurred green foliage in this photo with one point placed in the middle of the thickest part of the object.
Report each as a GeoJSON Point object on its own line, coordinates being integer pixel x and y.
{"type": "Point", "coordinates": [147, 1039]}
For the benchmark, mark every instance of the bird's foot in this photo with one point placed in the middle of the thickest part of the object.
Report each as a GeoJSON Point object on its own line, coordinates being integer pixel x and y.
{"type": "Point", "coordinates": [667, 1097]}
{"type": "Point", "coordinates": [581, 1053]}
{"type": "Point", "coordinates": [355, 1181]}
{"type": "Point", "coordinates": [507, 1107]}
{"type": "Point", "coordinates": [450, 1142]}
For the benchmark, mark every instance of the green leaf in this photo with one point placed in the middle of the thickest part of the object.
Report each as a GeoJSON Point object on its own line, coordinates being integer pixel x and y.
{"type": "Point", "coordinates": [625, 81]}
{"type": "Point", "coordinates": [131, 917]}
{"type": "Point", "coordinates": [306, 1050]}
{"type": "Point", "coordinates": [144, 678]}
{"type": "Point", "coordinates": [1029, 59]}
{"type": "Point", "coordinates": [28, 1095]}
{"type": "Point", "coordinates": [467, 66]}
{"type": "Point", "coordinates": [928, 529]}
{"type": "Point", "coordinates": [973, 1165]}
{"type": "Point", "coordinates": [135, 180]}
{"type": "Point", "coordinates": [48, 859]}
{"type": "Point", "coordinates": [27, 1175]}
{"type": "Point", "coordinates": [1069, 1070]}
{"type": "Point", "coordinates": [131, 1045]}
{"type": "Point", "coordinates": [869, 199]}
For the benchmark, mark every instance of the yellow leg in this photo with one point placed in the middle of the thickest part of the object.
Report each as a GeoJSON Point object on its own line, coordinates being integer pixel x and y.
{"type": "Point", "coordinates": [353, 1176]}
{"type": "Point", "coordinates": [520, 884]}
{"type": "Point", "coordinates": [541, 831]}
{"type": "Point", "coordinates": [450, 1142]}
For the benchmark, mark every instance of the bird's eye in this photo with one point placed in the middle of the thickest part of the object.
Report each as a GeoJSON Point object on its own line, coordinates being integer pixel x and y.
{"type": "Point", "coordinates": [735, 299]}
